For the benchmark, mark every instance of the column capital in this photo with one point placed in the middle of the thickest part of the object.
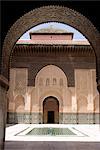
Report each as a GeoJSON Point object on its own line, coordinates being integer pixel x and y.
{"type": "Point", "coordinates": [4, 82]}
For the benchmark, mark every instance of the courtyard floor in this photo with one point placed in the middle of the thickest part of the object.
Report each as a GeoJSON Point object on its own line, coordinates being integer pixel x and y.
{"type": "Point", "coordinates": [74, 137]}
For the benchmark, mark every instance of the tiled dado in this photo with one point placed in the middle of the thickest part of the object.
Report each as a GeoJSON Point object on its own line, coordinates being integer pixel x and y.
{"type": "Point", "coordinates": [64, 118]}
{"type": "Point", "coordinates": [69, 118]}
{"type": "Point", "coordinates": [97, 118]}
{"type": "Point", "coordinates": [82, 118]}
{"type": "Point", "coordinates": [23, 117]}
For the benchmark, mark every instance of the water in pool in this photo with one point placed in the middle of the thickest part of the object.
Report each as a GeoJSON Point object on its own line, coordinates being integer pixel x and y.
{"type": "Point", "coordinates": [51, 131]}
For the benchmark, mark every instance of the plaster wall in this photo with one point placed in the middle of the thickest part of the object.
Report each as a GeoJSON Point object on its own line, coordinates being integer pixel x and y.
{"type": "Point", "coordinates": [51, 37]}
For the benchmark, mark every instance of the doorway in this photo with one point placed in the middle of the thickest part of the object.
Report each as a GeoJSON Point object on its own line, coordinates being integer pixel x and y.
{"type": "Point", "coordinates": [50, 116]}
{"type": "Point", "coordinates": [50, 110]}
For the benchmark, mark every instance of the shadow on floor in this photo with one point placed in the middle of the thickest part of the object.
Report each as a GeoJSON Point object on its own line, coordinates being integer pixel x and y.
{"type": "Point", "coordinates": [51, 145]}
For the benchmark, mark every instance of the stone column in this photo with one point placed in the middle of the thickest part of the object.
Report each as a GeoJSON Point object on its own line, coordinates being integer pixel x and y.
{"type": "Point", "coordinates": [98, 79]}
{"type": "Point", "coordinates": [3, 109]}
{"type": "Point", "coordinates": [98, 73]}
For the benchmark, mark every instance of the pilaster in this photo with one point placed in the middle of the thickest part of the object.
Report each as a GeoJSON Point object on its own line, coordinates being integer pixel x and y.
{"type": "Point", "coordinates": [98, 73]}
{"type": "Point", "coordinates": [3, 109]}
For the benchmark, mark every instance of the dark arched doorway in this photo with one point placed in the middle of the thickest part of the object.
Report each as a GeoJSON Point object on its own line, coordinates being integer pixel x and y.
{"type": "Point", "coordinates": [51, 110]}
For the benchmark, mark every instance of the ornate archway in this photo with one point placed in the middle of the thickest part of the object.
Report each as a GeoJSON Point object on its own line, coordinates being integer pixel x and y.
{"type": "Point", "coordinates": [42, 15]}
{"type": "Point", "coordinates": [49, 14]}
{"type": "Point", "coordinates": [50, 110]}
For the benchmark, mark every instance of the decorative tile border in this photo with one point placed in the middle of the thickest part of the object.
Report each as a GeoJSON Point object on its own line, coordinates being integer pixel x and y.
{"type": "Point", "coordinates": [64, 118]}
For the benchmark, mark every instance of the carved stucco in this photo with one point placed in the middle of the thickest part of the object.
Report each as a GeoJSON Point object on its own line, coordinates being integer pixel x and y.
{"type": "Point", "coordinates": [68, 97]}
{"type": "Point", "coordinates": [19, 103]}
{"type": "Point", "coordinates": [48, 14]}
{"type": "Point", "coordinates": [85, 89]}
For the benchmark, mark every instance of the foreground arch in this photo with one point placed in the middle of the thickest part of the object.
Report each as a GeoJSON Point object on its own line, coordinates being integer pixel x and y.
{"type": "Point", "coordinates": [31, 19]}
{"type": "Point", "coordinates": [48, 14]}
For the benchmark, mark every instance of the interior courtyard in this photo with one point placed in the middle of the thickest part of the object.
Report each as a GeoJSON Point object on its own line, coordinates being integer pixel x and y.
{"type": "Point", "coordinates": [53, 80]}
{"type": "Point", "coordinates": [50, 83]}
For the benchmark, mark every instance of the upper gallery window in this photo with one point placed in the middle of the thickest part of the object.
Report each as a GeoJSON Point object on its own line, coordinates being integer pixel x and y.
{"type": "Point", "coordinates": [47, 81]}
{"type": "Point", "coordinates": [54, 81]}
